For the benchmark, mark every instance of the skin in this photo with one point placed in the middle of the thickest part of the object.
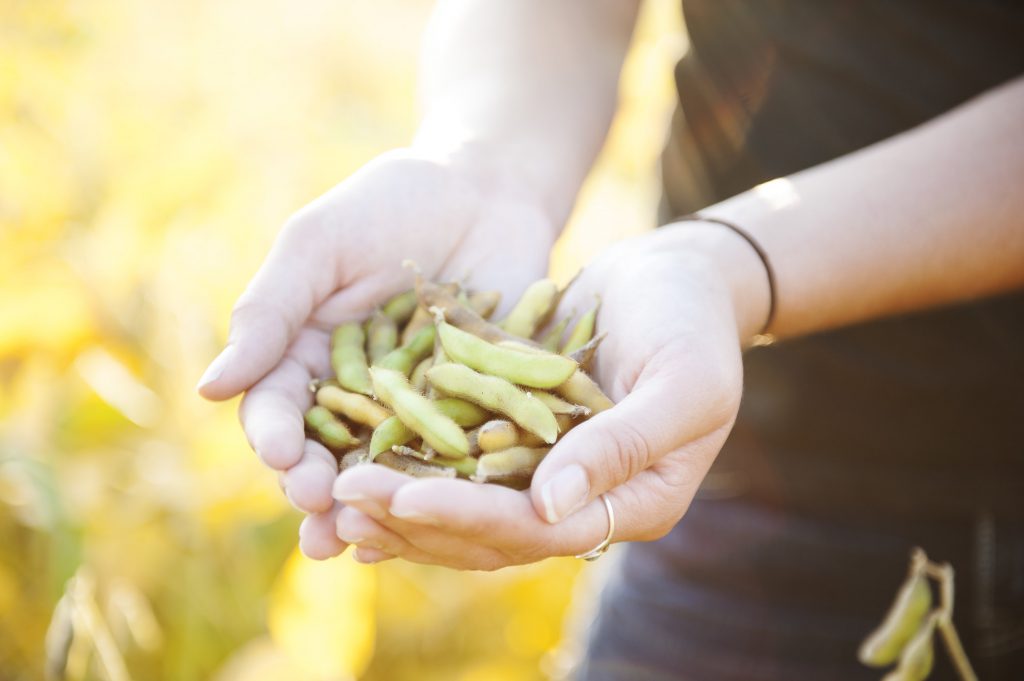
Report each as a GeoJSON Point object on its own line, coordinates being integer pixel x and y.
{"type": "Point", "coordinates": [929, 217]}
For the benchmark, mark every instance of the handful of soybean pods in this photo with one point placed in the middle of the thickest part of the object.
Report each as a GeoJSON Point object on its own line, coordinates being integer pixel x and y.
{"type": "Point", "coordinates": [428, 385]}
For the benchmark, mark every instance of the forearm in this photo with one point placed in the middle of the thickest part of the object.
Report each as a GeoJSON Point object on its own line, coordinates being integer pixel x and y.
{"type": "Point", "coordinates": [930, 217]}
{"type": "Point", "coordinates": [523, 91]}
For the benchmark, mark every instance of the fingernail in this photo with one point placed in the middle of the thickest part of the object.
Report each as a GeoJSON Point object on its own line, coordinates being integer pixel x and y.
{"type": "Point", "coordinates": [365, 560]}
{"type": "Point", "coordinates": [414, 516]}
{"type": "Point", "coordinates": [565, 493]}
{"type": "Point", "coordinates": [216, 368]}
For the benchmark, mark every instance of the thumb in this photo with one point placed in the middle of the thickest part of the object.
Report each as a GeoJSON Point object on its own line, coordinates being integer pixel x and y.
{"type": "Point", "coordinates": [656, 418]}
{"type": "Point", "coordinates": [296, 275]}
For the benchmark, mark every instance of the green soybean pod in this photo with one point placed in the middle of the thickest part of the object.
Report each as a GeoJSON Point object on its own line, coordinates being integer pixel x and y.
{"type": "Point", "coordinates": [405, 358]}
{"type": "Point", "coordinates": [348, 359]}
{"type": "Point", "coordinates": [551, 340]}
{"type": "Point", "coordinates": [413, 466]}
{"type": "Point", "coordinates": [464, 413]}
{"type": "Point", "coordinates": [538, 369]}
{"type": "Point", "coordinates": [355, 407]}
{"type": "Point", "coordinates": [582, 390]}
{"type": "Point", "coordinates": [381, 336]}
{"type": "Point", "coordinates": [496, 394]}
{"type": "Point", "coordinates": [515, 462]}
{"type": "Point", "coordinates": [400, 307]}
{"type": "Point", "coordinates": [484, 303]}
{"type": "Point", "coordinates": [533, 307]}
{"type": "Point", "coordinates": [329, 429]}
{"type": "Point", "coordinates": [582, 332]}
{"type": "Point", "coordinates": [912, 603]}
{"type": "Point", "coordinates": [419, 414]}
{"type": "Point", "coordinates": [919, 654]}
{"type": "Point", "coordinates": [419, 374]}
{"type": "Point", "coordinates": [390, 433]}
{"type": "Point", "coordinates": [464, 467]}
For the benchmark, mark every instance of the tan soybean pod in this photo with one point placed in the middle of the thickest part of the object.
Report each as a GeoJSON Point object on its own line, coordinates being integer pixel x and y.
{"type": "Point", "coordinates": [353, 458]}
{"type": "Point", "coordinates": [381, 336]}
{"type": "Point", "coordinates": [539, 369]}
{"type": "Point", "coordinates": [431, 295]}
{"type": "Point", "coordinates": [484, 303]}
{"type": "Point", "coordinates": [329, 429]}
{"type": "Point", "coordinates": [496, 394]}
{"type": "Point", "coordinates": [582, 332]}
{"type": "Point", "coordinates": [418, 413]}
{"type": "Point", "coordinates": [515, 462]}
{"type": "Point", "coordinates": [499, 434]}
{"type": "Point", "coordinates": [584, 355]}
{"type": "Point", "coordinates": [582, 390]}
{"type": "Point", "coordinates": [537, 301]}
{"type": "Point", "coordinates": [356, 407]}
{"type": "Point", "coordinates": [401, 307]}
{"type": "Point", "coordinates": [421, 317]}
{"type": "Point", "coordinates": [908, 610]}
{"type": "Point", "coordinates": [348, 358]}
{"type": "Point", "coordinates": [559, 406]}
{"type": "Point", "coordinates": [413, 466]}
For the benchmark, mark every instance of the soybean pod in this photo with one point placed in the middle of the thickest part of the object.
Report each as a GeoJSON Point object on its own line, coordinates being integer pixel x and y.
{"type": "Point", "coordinates": [537, 301]}
{"type": "Point", "coordinates": [418, 413]}
{"type": "Point", "coordinates": [431, 295]}
{"type": "Point", "coordinates": [400, 307]}
{"type": "Point", "coordinates": [559, 406]}
{"type": "Point", "coordinates": [581, 389]}
{"type": "Point", "coordinates": [405, 358]}
{"type": "Point", "coordinates": [390, 433]}
{"type": "Point", "coordinates": [584, 355]}
{"type": "Point", "coordinates": [348, 358]}
{"type": "Point", "coordinates": [381, 336]}
{"type": "Point", "coordinates": [918, 656]}
{"type": "Point", "coordinates": [413, 466]}
{"type": "Point", "coordinates": [582, 332]}
{"type": "Point", "coordinates": [499, 434]}
{"type": "Point", "coordinates": [551, 340]}
{"type": "Point", "coordinates": [514, 465]}
{"type": "Point", "coordinates": [329, 429]}
{"type": "Point", "coordinates": [538, 369]}
{"type": "Point", "coordinates": [355, 407]}
{"type": "Point", "coordinates": [912, 603]}
{"type": "Point", "coordinates": [484, 303]}
{"type": "Point", "coordinates": [496, 394]}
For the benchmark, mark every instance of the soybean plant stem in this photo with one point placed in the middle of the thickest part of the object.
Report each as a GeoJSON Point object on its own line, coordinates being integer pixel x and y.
{"type": "Point", "coordinates": [944, 574]}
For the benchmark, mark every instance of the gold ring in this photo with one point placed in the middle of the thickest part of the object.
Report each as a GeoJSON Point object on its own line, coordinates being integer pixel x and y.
{"type": "Point", "coordinates": [600, 549]}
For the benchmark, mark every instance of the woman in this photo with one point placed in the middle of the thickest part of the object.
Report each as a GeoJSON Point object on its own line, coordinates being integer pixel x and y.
{"type": "Point", "coordinates": [887, 257]}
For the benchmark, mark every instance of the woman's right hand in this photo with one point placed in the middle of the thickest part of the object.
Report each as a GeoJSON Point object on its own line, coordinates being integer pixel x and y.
{"type": "Point", "coordinates": [333, 262]}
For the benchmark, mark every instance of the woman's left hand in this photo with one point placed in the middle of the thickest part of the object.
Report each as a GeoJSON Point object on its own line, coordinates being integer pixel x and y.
{"type": "Point", "coordinates": [675, 305]}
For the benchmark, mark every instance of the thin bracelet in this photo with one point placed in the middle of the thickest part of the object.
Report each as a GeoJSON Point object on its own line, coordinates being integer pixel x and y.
{"type": "Point", "coordinates": [764, 337]}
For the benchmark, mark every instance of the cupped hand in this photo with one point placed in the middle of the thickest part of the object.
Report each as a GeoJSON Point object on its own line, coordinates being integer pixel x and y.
{"type": "Point", "coordinates": [675, 314]}
{"type": "Point", "coordinates": [333, 262]}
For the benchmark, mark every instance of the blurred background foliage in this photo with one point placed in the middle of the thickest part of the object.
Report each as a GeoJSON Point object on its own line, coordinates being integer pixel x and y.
{"type": "Point", "coordinates": [149, 151]}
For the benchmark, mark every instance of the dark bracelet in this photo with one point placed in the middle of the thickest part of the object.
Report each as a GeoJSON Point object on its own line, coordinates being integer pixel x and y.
{"type": "Point", "coordinates": [764, 337]}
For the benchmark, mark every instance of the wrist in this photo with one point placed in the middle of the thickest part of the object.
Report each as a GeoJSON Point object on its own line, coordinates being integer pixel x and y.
{"type": "Point", "coordinates": [734, 262]}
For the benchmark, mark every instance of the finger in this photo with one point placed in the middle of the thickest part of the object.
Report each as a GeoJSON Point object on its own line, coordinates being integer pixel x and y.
{"type": "Point", "coordinates": [656, 418]}
{"type": "Point", "coordinates": [368, 491]}
{"type": "Point", "coordinates": [307, 484]}
{"type": "Point", "coordinates": [364, 554]}
{"type": "Point", "coordinates": [317, 538]}
{"type": "Point", "coordinates": [299, 272]}
{"type": "Point", "coordinates": [271, 413]}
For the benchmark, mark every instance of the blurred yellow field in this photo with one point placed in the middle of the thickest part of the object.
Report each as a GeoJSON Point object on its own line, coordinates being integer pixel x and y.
{"type": "Point", "coordinates": [149, 152]}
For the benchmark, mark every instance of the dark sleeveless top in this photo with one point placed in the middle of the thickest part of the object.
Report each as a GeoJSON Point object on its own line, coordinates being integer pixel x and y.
{"type": "Point", "coordinates": [854, 445]}
{"type": "Point", "coordinates": [921, 414]}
